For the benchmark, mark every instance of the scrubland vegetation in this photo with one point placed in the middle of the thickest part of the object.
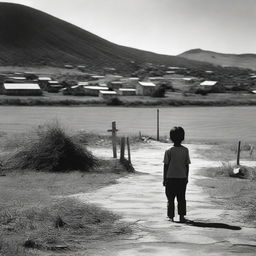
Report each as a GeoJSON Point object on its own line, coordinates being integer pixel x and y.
{"type": "Point", "coordinates": [41, 174]}
{"type": "Point", "coordinates": [233, 191]}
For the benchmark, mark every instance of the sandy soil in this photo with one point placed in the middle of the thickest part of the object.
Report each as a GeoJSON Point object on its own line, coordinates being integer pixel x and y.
{"type": "Point", "coordinates": [140, 200]}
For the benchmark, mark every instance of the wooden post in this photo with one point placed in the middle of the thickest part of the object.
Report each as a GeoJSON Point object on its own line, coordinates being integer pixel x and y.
{"type": "Point", "coordinates": [128, 150]}
{"type": "Point", "coordinates": [114, 130]}
{"type": "Point", "coordinates": [238, 153]}
{"type": "Point", "coordinates": [251, 150]}
{"type": "Point", "coordinates": [157, 132]}
{"type": "Point", "coordinates": [140, 136]}
{"type": "Point", "coordinates": [122, 148]}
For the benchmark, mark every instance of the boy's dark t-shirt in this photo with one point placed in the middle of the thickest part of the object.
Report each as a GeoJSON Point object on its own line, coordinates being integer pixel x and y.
{"type": "Point", "coordinates": [177, 158]}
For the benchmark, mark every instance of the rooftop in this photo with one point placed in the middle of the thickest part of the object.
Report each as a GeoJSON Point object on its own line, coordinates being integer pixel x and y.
{"type": "Point", "coordinates": [209, 83]}
{"type": "Point", "coordinates": [76, 86]}
{"type": "Point", "coordinates": [103, 85]}
{"type": "Point", "coordinates": [53, 82]}
{"type": "Point", "coordinates": [156, 78]}
{"type": "Point", "coordinates": [17, 77]}
{"type": "Point", "coordinates": [44, 78]}
{"type": "Point", "coordinates": [96, 87]}
{"type": "Point", "coordinates": [19, 86]}
{"type": "Point", "coordinates": [108, 92]}
{"type": "Point", "coordinates": [175, 68]}
{"type": "Point", "coordinates": [116, 82]}
{"type": "Point", "coordinates": [83, 83]}
{"type": "Point", "coordinates": [149, 84]}
{"type": "Point", "coordinates": [97, 77]}
{"type": "Point", "coordinates": [127, 90]}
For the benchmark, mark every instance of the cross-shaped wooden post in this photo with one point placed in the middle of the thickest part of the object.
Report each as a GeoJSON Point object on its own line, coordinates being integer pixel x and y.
{"type": "Point", "coordinates": [114, 130]}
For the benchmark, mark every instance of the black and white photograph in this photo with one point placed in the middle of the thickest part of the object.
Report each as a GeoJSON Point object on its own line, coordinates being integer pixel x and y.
{"type": "Point", "coordinates": [127, 127]}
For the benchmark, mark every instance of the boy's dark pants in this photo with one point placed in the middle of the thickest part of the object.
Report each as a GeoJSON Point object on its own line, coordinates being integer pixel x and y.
{"type": "Point", "coordinates": [176, 188]}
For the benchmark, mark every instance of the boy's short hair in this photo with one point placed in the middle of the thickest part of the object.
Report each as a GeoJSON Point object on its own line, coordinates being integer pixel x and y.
{"type": "Point", "coordinates": [177, 134]}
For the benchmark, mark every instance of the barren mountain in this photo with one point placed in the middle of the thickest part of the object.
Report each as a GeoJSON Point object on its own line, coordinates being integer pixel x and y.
{"type": "Point", "coordinates": [32, 37]}
{"type": "Point", "coordinates": [224, 60]}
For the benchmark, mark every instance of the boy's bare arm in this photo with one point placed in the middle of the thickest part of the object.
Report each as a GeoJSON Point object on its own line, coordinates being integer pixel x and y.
{"type": "Point", "coordinates": [187, 168]}
{"type": "Point", "coordinates": [165, 174]}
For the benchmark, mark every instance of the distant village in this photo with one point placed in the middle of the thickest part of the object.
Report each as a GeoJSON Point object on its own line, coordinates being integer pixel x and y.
{"type": "Point", "coordinates": [149, 80]}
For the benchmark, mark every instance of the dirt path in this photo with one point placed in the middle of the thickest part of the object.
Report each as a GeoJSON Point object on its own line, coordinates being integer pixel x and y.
{"type": "Point", "coordinates": [140, 199]}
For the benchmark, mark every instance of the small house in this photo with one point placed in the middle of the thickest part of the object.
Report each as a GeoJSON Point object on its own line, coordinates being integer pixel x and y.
{"type": "Point", "coordinates": [106, 95]}
{"type": "Point", "coordinates": [103, 85]}
{"type": "Point", "coordinates": [83, 83]}
{"type": "Point", "coordinates": [81, 67]}
{"type": "Point", "coordinates": [22, 89]}
{"type": "Point", "coordinates": [43, 81]}
{"type": "Point", "coordinates": [54, 86]}
{"type": "Point", "coordinates": [115, 85]}
{"type": "Point", "coordinates": [16, 79]}
{"type": "Point", "coordinates": [188, 80]}
{"type": "Point", "coordinates": [156, 78]}
{"type": "Point", "coordinates": [211, 86]}
{"type": "Point", "coordinates": [127, 92]}
{"type": "Point", "coordinates": [133, 79]}
{"type": "Point", "coordinates": [132, 82]}
{"type": "Point", "coordinates": [77, 90]}
{"type": "Point", "coordinates": [170, 72]}
{"type": "Point", "coordinates": [145, 88]}
{"type": "Point", "coordinates": [96, 77]}
{"type": "Point", "coordinates": [94, 90]}
{"type": "Point", "coordinates": [109, 69]}
{"type": "Point", "coordinates": [176, 68]}
{"type": "Point", "coordinates": [68, 66]}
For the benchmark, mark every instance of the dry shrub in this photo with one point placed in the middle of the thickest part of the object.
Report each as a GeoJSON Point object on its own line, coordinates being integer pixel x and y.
{"type": "Point", "coordinates": [51, 149]}
{"type": "Point", "coordinates": [227, 170]}
{"type": "Point", "coordinates": [38, 228]}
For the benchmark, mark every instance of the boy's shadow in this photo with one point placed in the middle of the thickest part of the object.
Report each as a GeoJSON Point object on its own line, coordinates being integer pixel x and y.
{"type": "Point", "coordinates": [210, 225]}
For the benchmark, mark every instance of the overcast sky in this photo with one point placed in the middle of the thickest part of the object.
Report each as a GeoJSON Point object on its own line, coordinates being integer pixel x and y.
{"type": "Point", "coordinates": [162, 26]}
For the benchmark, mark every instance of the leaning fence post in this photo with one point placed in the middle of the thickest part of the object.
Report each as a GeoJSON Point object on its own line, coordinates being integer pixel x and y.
{"type": "Point", "coordinates": [122, 148]}
{"type": "Point", "coordinates": [128, 150]}
{"type": "Point", "coordinates": [114, 130]}
{"type": "Point", "coordinates": [238, 153]}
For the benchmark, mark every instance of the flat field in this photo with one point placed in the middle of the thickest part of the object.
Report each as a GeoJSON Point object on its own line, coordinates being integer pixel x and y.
{"type": "Point", "coordinates": [201, 123]}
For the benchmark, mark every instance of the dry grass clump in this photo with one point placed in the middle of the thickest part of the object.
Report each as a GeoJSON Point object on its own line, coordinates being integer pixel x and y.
{"type": "Point", "coordinates": [243, 172]}
{"type": "Point", "coordinates": [51, 149]}
{"type": "Point", "coordinates": [62, 226]}
{"type": "Point", "coordinates": [227, 170]}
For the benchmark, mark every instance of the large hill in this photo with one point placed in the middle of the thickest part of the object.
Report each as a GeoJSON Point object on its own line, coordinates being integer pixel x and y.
{"type": "Point", "coordinates": [224, 60]}
{"type": "Point", "coordinates": [32, 37]}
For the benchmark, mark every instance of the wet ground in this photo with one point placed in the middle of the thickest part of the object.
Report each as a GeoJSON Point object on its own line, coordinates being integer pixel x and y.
{"type": "Point", "coordinates": [140, 200]}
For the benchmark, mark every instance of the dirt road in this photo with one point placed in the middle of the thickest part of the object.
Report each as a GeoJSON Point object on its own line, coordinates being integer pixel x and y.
{"type": "Point", "coordinates": [140, 199]}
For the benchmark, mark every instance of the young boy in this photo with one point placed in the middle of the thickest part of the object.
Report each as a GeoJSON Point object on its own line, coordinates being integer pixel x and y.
{"type": "Point", "coordinates": [175, 176]}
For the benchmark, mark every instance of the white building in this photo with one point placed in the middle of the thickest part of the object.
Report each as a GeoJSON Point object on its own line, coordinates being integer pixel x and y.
{"type": "Point", "coordinates": [212, 86]}
{"type": "Point", "coordinates": [94, 90]}
{"type": "Point", "coordinates": [127, 92]}
{"type": "Point", "coordinates": [22, 89]}
{"type": "Point", "coordinates": [83, 83]}
{"type": "Point", "coordinates": [107, 94]}
{"type": "Point", "coordinates": [53, 86]}
{"type": "Point", "coordinates": [208, 83]}
{"type": "Point", "coordinates": [145, 88]}
{"type": "Point", "coordinates": [43, 81]}
{"type": "Point", "coordinates": [115, 85]}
